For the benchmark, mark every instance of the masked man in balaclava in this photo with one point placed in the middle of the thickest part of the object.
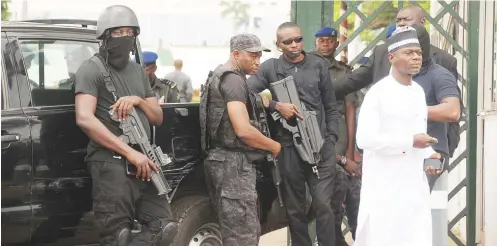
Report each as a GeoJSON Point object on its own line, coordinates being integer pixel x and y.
{"type": "Point", "coordinates": [118, 198]}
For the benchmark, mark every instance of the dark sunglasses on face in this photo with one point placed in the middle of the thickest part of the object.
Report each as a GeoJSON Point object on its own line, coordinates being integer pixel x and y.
{"type": "Point", "coordinates": [290, 41]}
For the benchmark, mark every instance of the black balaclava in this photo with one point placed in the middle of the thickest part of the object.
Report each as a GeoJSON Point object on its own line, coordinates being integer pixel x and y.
{"type": "Point", "coordinates": [117, 50]}
{"type": "Point", "coordinates": [424, 42]}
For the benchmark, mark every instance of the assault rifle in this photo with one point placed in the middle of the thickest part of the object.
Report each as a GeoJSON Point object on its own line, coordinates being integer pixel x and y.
{"type": "Point", "coordinates": [306, 133]}
{"type": "Point", "coordinates": [262, 120]}
{"type": "Point", "coordinates": [134, 134]}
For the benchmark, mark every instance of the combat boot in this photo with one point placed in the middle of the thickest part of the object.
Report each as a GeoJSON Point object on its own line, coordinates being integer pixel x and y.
{"type": "Point", "coordinates": [156, 234]}
{"type": "Point", "coordinates": [120, 238]}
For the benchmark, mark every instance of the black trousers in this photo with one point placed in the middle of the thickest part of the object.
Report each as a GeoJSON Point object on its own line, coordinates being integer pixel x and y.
{"type": "Point", "coordinates": [347, 192]}
{"type": "Point", "coordinates": [295, 173]}
{"type": "Point", "coordinates": [118, 199]}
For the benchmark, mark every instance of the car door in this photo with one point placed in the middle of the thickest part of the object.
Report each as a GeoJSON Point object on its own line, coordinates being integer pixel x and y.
{"type": "Point", "coordinates": [61, 194]}
{"type": "Point", "coordinates": [16, 154]}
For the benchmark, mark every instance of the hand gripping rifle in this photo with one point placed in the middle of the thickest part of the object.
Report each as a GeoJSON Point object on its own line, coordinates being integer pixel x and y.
{"type": "Point", "coordinates": [134, 133]}
{"type": "Point", "coordinates": [306, 133]}
{"type": "Point", "coordinates": [262, 120]}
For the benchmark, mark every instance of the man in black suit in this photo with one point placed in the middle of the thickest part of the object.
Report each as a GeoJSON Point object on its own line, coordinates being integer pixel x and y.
{"type": "Point", "coordinates": [378, 67]}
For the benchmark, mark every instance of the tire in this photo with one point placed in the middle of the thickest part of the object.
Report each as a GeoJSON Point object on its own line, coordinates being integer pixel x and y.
{"type": "Point", "coordinates": [197, 222]}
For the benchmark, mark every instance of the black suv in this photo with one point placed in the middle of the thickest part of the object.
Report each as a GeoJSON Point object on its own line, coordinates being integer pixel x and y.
{"type": "Point", "coordinates": [46, 188]}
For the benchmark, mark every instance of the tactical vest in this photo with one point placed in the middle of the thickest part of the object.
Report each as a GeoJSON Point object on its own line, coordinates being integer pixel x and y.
{"type": "Point", "coordinates": [215, 126]}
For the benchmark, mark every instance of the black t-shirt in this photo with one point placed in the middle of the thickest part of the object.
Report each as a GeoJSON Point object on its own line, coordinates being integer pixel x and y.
{"type": "Point", "coordinates": [89, 80]}
{"type": "Point", "coordinates": [438, 83]}
{"type": "Point", "coordinates": [233, 88]}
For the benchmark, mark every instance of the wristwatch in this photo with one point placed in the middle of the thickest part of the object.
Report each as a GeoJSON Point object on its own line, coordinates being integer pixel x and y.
{"type": "Point", "coordinates": [343, 161]}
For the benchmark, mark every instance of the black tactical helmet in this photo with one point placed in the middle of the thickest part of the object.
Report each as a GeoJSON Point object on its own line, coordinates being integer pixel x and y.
{"type": "Point", "coordinates": [116, 16]}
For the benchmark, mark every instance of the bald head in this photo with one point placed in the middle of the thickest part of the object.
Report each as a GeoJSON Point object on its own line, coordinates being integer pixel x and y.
{"type": "Point", "coordinates": [289, 41]}
{"type": "Point", "coordinates": [283, 28]}
{"type": "Point", "coordinates": [178, 64]}
{"type": "Point", "coordinates": [410, 15]}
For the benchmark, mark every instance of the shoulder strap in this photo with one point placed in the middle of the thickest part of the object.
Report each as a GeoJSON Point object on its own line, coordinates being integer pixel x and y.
{"type": "Point", "coordinates": [276, 67]}
{"type": "Point", "coordinates": [205, 142]}
{"type": "Point", "coordinates": [108, 81]}
{"type": "Point", "coordinates": [168, 82]}
{"type": "Point", "coordinates": [202, 86]}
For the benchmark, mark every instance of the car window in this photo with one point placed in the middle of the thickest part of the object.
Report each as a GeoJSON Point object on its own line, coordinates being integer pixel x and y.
{"type": "Point", "coordinates": [51, 66]}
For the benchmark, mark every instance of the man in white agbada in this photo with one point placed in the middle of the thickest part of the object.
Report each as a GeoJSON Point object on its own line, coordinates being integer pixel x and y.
{"type": "Point", "coordinates": [395, 197]}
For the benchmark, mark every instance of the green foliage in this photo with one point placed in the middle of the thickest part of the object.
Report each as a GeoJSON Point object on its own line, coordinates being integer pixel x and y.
{"type": "Point", "coordinates": [383, 20]}
{"type": "Point", "coordinates": [238, 11]}
{"type": "Point", "coordinates": [337, 7]}
{"type": "Point", "coordinates": [5, 10]}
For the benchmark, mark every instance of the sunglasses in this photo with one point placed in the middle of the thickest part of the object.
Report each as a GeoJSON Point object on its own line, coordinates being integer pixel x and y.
{"type": "Point", "coordinates": [297, 40]}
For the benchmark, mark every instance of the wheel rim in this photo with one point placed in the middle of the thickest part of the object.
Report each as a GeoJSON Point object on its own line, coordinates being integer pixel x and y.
{"type": "Point", "coordinates": [207, 235]}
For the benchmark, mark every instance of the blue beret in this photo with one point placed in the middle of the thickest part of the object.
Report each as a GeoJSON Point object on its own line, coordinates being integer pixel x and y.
{"type": "Point", "coordinates": [149, 57]}
{"type": "Point", "coordinates": [326, 32]}
{"type": "Point", "coordinates": [363, 60]}
{"type": "Point", "coordinates": [390, 30]}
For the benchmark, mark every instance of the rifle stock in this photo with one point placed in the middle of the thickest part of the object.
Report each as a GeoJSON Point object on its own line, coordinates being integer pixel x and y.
{"type": "Point", "coordinates": [134, 134]}
{"type": "Point", "coordinates": [275, 171]}
{"type": "Point", "coordinates": [306, 134]}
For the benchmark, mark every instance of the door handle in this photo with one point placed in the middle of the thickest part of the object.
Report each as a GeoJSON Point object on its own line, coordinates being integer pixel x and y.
{"type": "Point", "coordinates": [10, 138]}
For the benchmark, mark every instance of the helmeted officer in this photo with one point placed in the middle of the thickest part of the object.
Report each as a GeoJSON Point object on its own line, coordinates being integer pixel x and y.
{"type": "Point", "coordinates": [118, 198]}
{"type": "Point", "coordinates": [347, 184]}
{"type": "Point", "coordinates": [163, 88]}
{"type": "Point", "coordinates": [231, 140]}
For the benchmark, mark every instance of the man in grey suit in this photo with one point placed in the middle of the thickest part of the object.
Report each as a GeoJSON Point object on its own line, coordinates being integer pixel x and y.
{"type": "Point", "coordinates": [378, 67]}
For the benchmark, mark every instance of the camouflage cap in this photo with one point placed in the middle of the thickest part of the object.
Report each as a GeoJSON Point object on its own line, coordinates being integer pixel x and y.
{"type": "Point", "coordinates": [247, 42]}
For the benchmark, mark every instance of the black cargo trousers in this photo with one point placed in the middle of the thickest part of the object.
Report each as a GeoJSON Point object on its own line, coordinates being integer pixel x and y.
{"type": "Point", "coordinates": [347, 193]}
{"type": "Point", "coordinates": [295, 173]}
{"type": "Point", "coordinates": [119, 198]}
{"type": "Point", "coordinates": [231, 182]}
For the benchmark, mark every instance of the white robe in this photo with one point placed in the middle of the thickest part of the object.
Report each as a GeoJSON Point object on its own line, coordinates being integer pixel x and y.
{"type": "Point", "coordinates": [395, 196]}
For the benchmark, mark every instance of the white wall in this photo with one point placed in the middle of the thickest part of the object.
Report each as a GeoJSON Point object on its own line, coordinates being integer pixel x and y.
{"type": "Point", "coordinates": [487, 187]}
